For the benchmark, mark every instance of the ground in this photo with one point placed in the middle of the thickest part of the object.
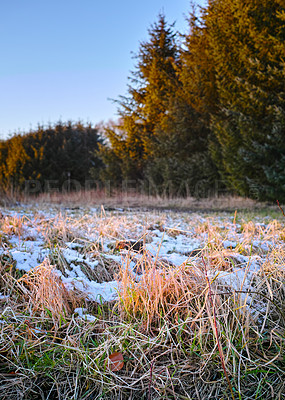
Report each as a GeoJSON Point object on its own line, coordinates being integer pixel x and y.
{"type": "Point", "coordinates": [191, 301]}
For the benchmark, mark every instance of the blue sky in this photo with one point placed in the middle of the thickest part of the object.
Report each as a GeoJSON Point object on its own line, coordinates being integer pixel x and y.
{"type": "Point", "coordinates": [63, 59]}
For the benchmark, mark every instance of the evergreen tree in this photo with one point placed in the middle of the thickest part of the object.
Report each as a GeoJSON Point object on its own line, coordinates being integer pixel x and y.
{"type": "Point", "coordinates": [182, 148]}
{"type": "Point", "coordinates": [160, 138]}
{"type": "Point", "coordinates": [3, 162]}
{"type": "Point", "coordinates": [132, 141]}
{"type": "Point", "coordinates": [246, 42]}
{"type": "Point", "coordinates": [183, 163]}
{"type": "Point", "coordinates": [13, 160]}
{"type": "Point", "coordinates": [58, 153]}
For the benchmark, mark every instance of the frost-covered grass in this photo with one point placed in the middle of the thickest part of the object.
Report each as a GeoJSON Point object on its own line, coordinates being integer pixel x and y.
{"type": "Point", "coordinates": [195, 304]}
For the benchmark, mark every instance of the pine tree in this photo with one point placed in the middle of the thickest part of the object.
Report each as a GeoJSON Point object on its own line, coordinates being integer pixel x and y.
{"type": "Point", "coordinates": [160, 138]}
{"type": "Point", "coordinates": [246, 44]}
{"type": "Point", "coordinates": [132, 141]}
{"type": "Point", "coordinates": [188, 120]}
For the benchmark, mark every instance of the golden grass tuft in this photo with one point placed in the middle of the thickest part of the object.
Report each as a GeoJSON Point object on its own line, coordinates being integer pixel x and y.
{"type": "Point", "coordinates": [57, 230]}
{"type": "Point", "coordinates": [160, 293]}
{"type": "Point", "coordinates": [13, 225]}
{"type": "Point", "coordinates": [45, 294]}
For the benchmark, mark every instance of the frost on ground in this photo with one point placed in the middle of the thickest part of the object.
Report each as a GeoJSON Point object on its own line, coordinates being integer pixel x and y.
{"type": "Point", "coordinates": [88, 246]}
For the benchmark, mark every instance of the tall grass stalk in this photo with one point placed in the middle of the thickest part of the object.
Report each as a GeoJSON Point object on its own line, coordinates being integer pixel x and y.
{"type": "Point", "coordinates": [216, 329]}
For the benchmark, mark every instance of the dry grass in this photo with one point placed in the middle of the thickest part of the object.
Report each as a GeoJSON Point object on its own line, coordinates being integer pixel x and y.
{"type": "Point", "coordinates": [161, 293]}
{"type": "Point", "coordinates": [117, 198]}
{"type": "Point", "coordinates": [180, 334]}
{"type": "Point", "coordinates": [44, 293]}
{"type": "Point", "coordinates": [168, 344]}
{"type": "Point", "coordinates": [13, 225]}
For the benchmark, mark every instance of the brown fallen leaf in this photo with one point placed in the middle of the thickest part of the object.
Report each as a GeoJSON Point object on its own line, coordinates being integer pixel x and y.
{"type": "Point", "coordinates": [116, 361]}
{"type": "Point", "coordinates": [129, 245]}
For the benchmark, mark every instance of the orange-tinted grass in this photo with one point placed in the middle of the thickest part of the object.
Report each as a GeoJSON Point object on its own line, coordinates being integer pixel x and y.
{"type": "Point", "coordinates": [45, 293]}
{"type": "Point", "coordinates": [160, 292]}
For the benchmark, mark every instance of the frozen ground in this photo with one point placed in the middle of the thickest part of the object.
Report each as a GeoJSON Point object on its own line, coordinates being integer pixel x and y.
{"type": "Point", "coordinates": [88, 246]}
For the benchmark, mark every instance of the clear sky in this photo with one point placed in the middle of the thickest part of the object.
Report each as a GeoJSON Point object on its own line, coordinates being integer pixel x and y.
{"type": "Point", "coordinates": [64, 59]}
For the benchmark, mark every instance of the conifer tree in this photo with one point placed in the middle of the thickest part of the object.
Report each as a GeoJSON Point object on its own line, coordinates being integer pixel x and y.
{"type": "Point", "coordinates": [3, 163]}
{"type": "Point", "coordinates": [56, 153]}
{"type": "Point", "coordinates": [185, 128]}
{"type": "Point", "coordinates": [153, 83]}
{"type": "Point", "coordinates": [14, 163]}
{"type": "Point", "coordinates": [246, 44]}
{"type": "Point", "coordinates": [160, 138]}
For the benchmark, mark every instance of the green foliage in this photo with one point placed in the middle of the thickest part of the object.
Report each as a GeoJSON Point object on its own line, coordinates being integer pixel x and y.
{"type": "Point", "coordinates": [246, 45]}
{"type": "Point", "coordinates": [52, 157]}
{"type": "Point", "coordinates": [13, 158]}
{"type": "Point", "coordinates": [131, 141]}
{"type": "Point", "coordinates": [182, 164]}
{"type": "Point", "coordinates": [159, 139]}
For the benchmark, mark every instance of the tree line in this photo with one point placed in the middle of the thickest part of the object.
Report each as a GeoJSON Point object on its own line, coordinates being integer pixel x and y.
{"type": "Point", "coordinates": [55, 157]}
{"type": "Point", "coordinates": [203, 107]}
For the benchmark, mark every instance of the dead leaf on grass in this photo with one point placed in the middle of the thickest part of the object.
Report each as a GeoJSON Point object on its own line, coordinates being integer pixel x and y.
{"type": "Point", "coordinates": [115, 362]}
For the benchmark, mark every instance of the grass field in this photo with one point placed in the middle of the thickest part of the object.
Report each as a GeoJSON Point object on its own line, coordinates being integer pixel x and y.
{"type": "Point", "coordinates": [126, 304]}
